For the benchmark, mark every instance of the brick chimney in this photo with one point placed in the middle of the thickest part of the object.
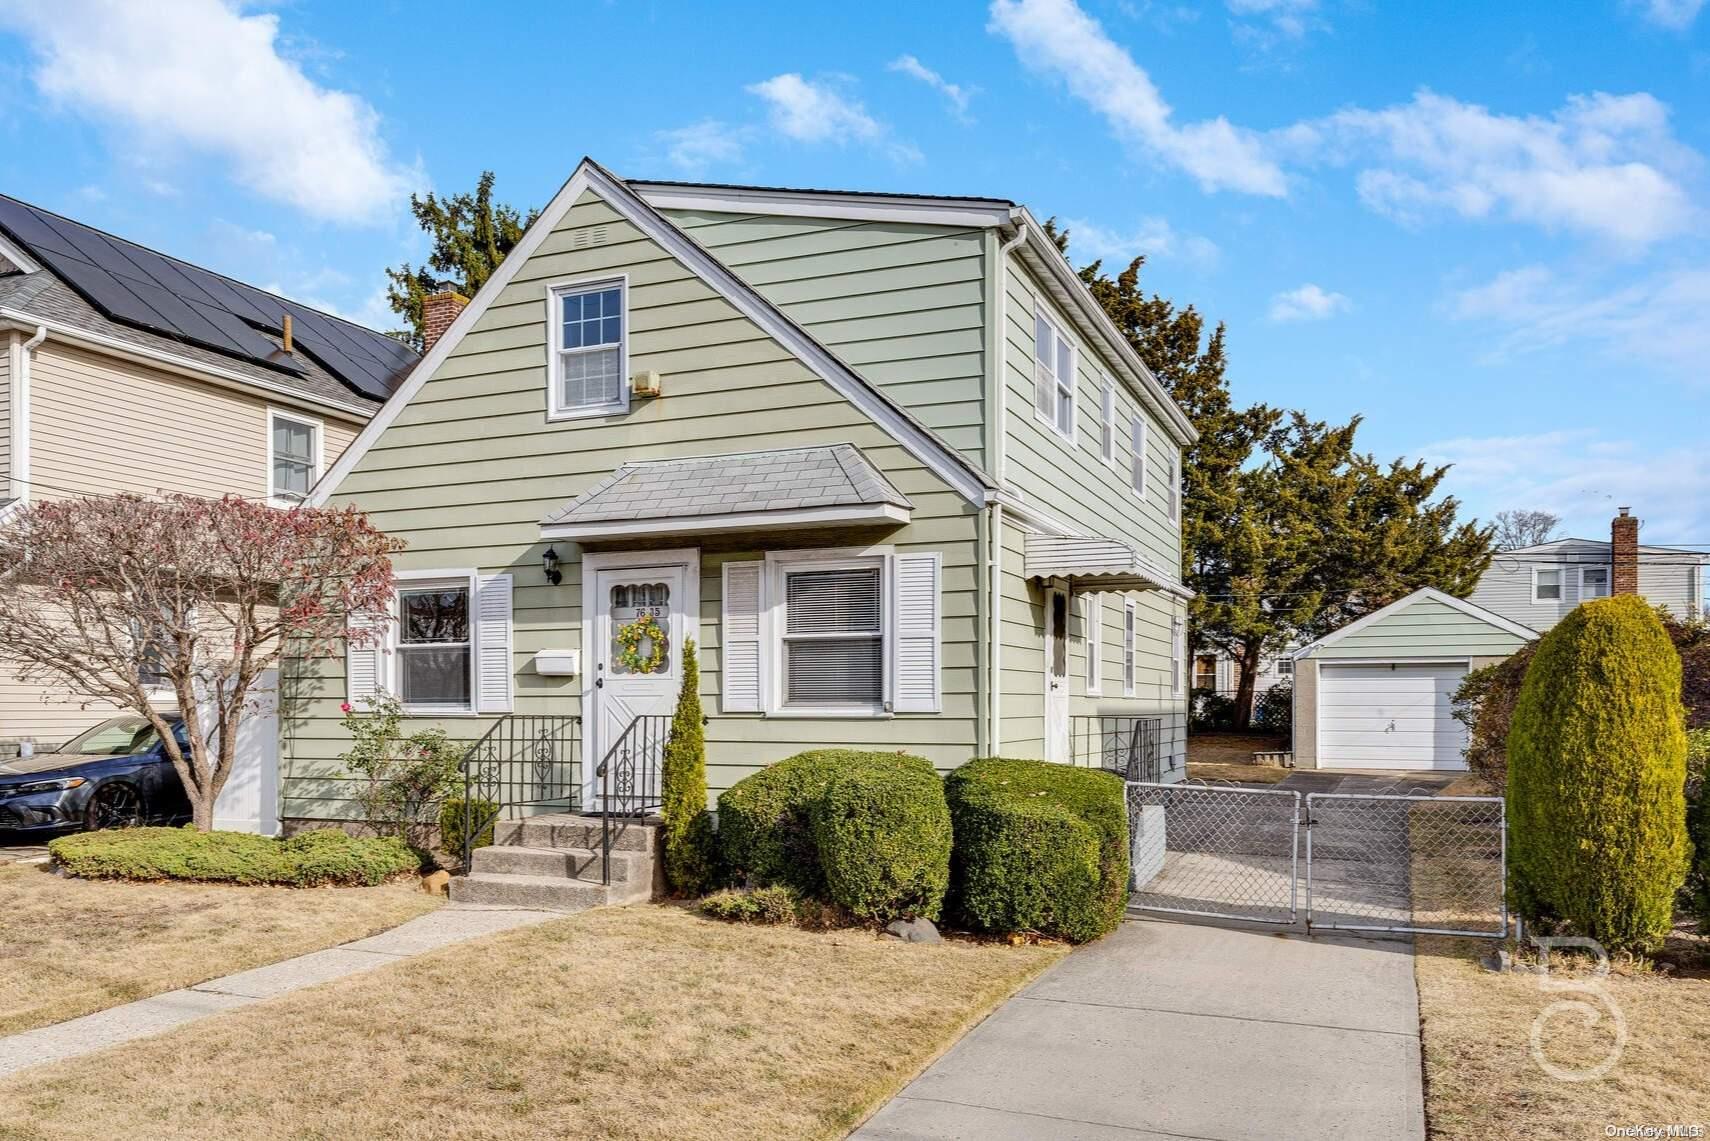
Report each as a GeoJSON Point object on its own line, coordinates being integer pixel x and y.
{"type": "Point", "coordinates": [439, 310]}
{"type": "Point", "coordinates": [1624, 554]}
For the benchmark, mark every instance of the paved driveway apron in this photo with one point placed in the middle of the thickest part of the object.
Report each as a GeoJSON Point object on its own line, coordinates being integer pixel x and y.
{"type": "Point", "coordinates": [1171, 1030]}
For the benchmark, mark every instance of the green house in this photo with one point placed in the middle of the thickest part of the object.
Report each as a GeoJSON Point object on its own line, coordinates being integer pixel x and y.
{"type": "Point", "coordinates": [882, 457]}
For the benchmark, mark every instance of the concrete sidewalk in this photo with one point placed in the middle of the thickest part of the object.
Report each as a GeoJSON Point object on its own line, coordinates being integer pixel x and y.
{"type": "Point", "coordinates": [1167, 1030]}
{"type": "Point", "coordinates": [451, 924]}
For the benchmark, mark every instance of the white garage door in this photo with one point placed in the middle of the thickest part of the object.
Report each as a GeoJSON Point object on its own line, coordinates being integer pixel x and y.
{"type": "Point", "coordinates": [1389, 717]}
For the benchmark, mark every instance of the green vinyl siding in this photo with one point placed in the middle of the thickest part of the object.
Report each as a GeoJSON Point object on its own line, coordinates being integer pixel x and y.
{"type": "Point", "coordinates": [469, 467]}
{"type": "Point", "coordinates": [901, 303]}
{"type": "Point", "coordinates": [1424, 629]}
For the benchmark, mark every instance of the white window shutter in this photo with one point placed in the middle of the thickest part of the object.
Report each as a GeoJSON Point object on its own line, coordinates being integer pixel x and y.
{"type": "Point", "coordinates": [365, 661]}
{"type": "Point", "coordinates": [917, 634]}
{"type": "Point", "coordinates": [493, 643]}
{"type": "Point", "coordinates": [739, 645]}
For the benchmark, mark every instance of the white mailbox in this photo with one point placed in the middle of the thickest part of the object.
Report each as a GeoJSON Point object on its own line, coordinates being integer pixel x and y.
{"type": "Point", "coordinates": [558, 663]}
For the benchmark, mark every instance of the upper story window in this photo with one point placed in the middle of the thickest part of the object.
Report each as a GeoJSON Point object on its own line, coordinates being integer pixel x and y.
{"type": "Point", "coordinates": [434, 663]}
{"type": "Point", "coordinates": [834, 637]}
{"type": "Point", "coordinates": [589, 358]}
{"type": "Point", "coordinates": [1593, 582]}
{"type": "Point", "coordinates": [1546, 584]}
{"type": "Point", "coordinates": [1137, 458]}
{"type": "Point", "coordinates": [1053, 375]}
{"type": "Point", "coordinates": [1175, 485]}
{"type": "Point", "coordinates": [1107, 421]}
{"type": "Point", "coordinates": [293, 456]}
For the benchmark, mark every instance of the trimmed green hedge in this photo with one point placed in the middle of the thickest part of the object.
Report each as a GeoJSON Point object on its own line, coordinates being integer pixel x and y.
{"type": "Point", "coordinates": [1039, 847]}
{"type": "Point", "coordinates": [882, 831]}
{"type": "Point", "coordinates": [451, 824]}
{"type": "Point", "coordinates": [316, 858]}
{"type": "Point", "coordinates": [763, 826]}
{"type": "Point", "coordinates": [1597, 774]}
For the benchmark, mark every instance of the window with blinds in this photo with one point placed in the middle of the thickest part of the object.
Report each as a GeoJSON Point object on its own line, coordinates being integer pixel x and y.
{"type": "Point", "coordinates": [589, 358]}
{"type": "Point", "coordinates": [834, 643]}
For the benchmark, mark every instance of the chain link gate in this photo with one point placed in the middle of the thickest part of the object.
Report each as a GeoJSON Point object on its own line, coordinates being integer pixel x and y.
{"type": "Point", "coordinates": [1373, 862]}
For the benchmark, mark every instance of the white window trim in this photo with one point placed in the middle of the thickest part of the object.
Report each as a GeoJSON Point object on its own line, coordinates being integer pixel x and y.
{"type": "Point", "coordinates": [779, 563]}
{"type": "Point", "coordinates": [1107, 421]}
{"type": "Point", "coordinates": [1561, 586]}
{"type": "Point", "coordinates": [394, 639]}
{"type": "Point", "coordinates": [320, 430]}
{"type": "Point", "coordinates": [556, 290]}
{"type": "Point", "coordinates": [1137, 454]}
{"type": "Point", "coordinates": [1608, 581]}
{"type": "Point", "coordinates": [1175, 489]}
{"type": "Point", "coordinates": [1130, 647]}
{"type": "Point", "coordinates": [1092, 642]}
{"type": "Point", "coordinates": [1280, 663]}
{"type": "Point", "coordinates": [1178, 655]}
{"type": "Point", "coordinates": [1042, 313]}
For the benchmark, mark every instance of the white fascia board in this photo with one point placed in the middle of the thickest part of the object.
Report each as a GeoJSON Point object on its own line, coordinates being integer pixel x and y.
{"type": "Point", "coordinates": [184, 366]}
{"type": "Point", "coordinates": [749, 521]}
{"type": "Point", "coordinates": [1426, 592]}
{"type": "Point", "coordinates": [925, 445]}
{"type": "Point", "coordinates": [976, 212]}
{"type": "Point", "coordinates": [1096, 324]}
{"type": "Point", "coordinates": [18, 256]}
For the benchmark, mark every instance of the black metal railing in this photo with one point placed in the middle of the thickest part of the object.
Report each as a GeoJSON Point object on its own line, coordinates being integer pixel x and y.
{"type": "Point", "coordinates": [522, 761]}
{"type": "Point", "coordinates": [1129, 746]}
{"type": "Point", "coordinates": [629, 780]}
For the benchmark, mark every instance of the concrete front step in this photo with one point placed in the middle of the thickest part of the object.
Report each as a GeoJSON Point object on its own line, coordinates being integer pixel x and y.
{"type": "Point", "coordinates": [562, 863]}
{"type": "Point", "coordinates": [565, 830]}
{"type": "Point", "coordinates": [528, 891]}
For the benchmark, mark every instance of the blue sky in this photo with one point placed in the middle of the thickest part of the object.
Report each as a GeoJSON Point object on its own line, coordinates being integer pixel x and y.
{"type": "Point", "coordinates": [1481, 226]}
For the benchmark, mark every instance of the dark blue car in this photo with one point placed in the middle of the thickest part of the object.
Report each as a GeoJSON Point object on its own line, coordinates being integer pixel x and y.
{"type": "Point", "coordinates": [115, 775]}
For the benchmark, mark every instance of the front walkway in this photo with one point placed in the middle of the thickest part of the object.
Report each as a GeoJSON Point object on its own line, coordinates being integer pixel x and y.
{"type": "Point", "coordinates": [1170, 1030]}
{"type": "Point", "coordinates": [451, 924]}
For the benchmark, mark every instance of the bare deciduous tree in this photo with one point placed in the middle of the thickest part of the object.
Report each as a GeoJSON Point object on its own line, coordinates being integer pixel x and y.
{"type": "Point", "coordinates": [208, 592]}
{"type": "Point", "coordinates": [1524, 528]}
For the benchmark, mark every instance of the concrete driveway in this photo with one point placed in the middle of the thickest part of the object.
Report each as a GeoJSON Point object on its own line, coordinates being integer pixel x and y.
{"type": "Point", "coordinates": [1168, 1030]}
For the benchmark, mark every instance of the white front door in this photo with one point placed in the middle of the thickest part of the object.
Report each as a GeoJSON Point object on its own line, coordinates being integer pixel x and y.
{"type": "Point", "coordinates": [1056, 675]}
{"type": "Point", "coordinates": [639, 622]}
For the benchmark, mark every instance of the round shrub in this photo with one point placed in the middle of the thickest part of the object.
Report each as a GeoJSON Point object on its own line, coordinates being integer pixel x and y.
{"type": "Point", "coordinates": [1596, 776]}
{"type": "Point", "coordinates": [1039, 847]}
{"type": "Point", "coordinates": [882, 831]}
{"type": "Point", "coordinates": [763, 828]}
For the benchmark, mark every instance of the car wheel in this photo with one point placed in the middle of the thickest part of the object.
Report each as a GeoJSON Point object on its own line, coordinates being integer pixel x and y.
{"type": "Point", "coordinates": [115, 805]}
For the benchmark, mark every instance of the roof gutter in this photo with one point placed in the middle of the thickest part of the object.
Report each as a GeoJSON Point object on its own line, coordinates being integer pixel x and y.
{"type": "Point", "coordinates": [182, 366]}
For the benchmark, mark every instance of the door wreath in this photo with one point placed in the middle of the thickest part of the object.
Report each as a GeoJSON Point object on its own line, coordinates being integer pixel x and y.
{"type": "Point", "coordinates": [631, 635]}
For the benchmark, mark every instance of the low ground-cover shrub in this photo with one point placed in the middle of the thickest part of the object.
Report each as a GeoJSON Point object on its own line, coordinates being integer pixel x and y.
{"type": "Point", "coordinates": [773, 906]}
{"type": "Point", "coordinates": [1038, 847]}
{"type": "Point", "coordinates": [882, 831]}
{"type": "Point", "coordinates": [320, 857]}
{"type": "Point", "coordinates": [452, 824]}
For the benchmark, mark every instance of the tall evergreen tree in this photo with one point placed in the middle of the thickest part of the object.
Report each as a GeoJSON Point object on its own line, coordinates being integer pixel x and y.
{"type": "Point", "coordinates": [471, 236]}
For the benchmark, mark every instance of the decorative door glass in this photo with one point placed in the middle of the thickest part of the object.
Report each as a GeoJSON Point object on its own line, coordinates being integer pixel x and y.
{"type": "Point", "coordinates": [641, 628]}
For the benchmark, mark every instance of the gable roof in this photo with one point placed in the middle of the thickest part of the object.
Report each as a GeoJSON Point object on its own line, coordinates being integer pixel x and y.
{"type": "Point", "coordinates": [1598, 548]}
{"type": "Point", "coordinates": [127, 292]}
{"type": "Point", "coordinates": [919, 440]}
{"type": "Point", "coordinates": [1424, 593]}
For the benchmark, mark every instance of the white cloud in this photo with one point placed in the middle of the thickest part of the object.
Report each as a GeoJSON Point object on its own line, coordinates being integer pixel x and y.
{"type": "Point", "coordinates": [1308, 302]}
{"type": "Point", "coordinates": [1264, 22]}
{"type": "Point", "coordinates": [1657, 318]}
{"type": "Point", "coordinates": [1676, 15]}
{"type": "Point", "coordinates": [201, 75]}
{"type": "Point", "coordinates": [1153, 237]}
{"type": "Point", "coordinates": [708, 143]}
{"type": "Point", "coordinates": [1603, 165]}
{"type": "Point", "coordinates": [954, 92]}
{"type": "Point", "coordinates": [812, 112]}
{"type": "Point", "coordinates": [1056, 38]}
{"type": "Point", "coordinates": [1583, 476]}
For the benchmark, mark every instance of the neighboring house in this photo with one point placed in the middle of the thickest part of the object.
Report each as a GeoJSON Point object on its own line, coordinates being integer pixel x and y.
{"type": "Point", "coordinates": [1376, 693]}
{"type": "Point", "coordinates": [1539, 585]}
{"type": "Point", "coordinates": [125, 370]}
{"type": "Point", "coordinates": [1217, 672]}
{"type": "Point", "coordinates": [882, 457]}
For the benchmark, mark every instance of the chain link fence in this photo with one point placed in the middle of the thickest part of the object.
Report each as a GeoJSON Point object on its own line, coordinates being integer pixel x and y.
{"type": "Point", "coordinates": [1368, 862]}
{"type": "Point", "coordinates": [1218, 851]}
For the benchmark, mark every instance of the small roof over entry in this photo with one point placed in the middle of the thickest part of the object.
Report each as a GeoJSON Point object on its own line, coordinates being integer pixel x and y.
{"type": "Point", "coordinates": [1091, 563]}
{"type": "Point", "coordinates": [834, 485]}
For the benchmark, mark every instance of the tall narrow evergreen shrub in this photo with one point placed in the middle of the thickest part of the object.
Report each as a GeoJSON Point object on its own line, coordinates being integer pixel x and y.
{"type": "Point", "coordinates": [1597, 768]}
{"type": "Point", "coordinates": [683, 787]}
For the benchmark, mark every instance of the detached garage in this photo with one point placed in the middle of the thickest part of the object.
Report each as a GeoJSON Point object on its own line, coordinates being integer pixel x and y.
{"type": "Point", "coordinates": [1375, 694]}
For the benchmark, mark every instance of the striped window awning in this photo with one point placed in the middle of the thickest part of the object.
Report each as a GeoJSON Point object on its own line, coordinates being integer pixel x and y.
{"type": "Point", "coordinates": [1089, 563]}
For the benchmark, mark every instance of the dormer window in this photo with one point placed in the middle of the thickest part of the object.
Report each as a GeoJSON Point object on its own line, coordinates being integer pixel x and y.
{"type": "Point", "coordinates": [589, 350]}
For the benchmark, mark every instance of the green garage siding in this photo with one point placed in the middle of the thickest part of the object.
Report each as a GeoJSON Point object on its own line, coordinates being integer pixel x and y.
{"type": "Point", "coordinates": [1424, 629]}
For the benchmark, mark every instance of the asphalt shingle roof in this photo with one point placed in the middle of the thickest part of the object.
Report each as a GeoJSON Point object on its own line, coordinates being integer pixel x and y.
{"type": "Point", "coordinates": [788, 479]}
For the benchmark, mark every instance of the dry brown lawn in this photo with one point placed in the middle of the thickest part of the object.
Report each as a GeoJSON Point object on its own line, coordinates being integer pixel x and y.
{"type": "Point", "coordinates": [643, 1021]}
{"type": "Point", "coordinates": [1481, 1080]}
{"type": "Point", "coordinates": [70, 947]}
{"type": "Point", "coordinates": [1242, 773]}
{"type": "Point", "coordinates": [1230, 748]}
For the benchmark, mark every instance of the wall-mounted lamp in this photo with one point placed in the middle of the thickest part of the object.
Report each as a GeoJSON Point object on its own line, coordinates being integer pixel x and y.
{"type": "Point", "coordinates": [550, 562]}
